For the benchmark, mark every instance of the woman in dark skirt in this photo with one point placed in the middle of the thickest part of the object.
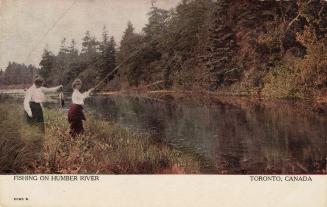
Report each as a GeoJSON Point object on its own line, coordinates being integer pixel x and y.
{"type": "Point", "coordinates": [34, 98]}
{"type": "Point", "coordinates": [75, 112]}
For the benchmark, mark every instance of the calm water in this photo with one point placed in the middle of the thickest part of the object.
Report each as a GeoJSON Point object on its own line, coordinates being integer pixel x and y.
{"type": "Point", "coordinates": [233, 137]}
{"type": "Point", "coordinates": [227, 136]}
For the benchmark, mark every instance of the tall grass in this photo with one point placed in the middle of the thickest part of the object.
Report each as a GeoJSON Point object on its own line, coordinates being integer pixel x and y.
{"type": "Point", "coordinates": [104, 148]}
{"type": "Point", "coordinates": [19, 144]}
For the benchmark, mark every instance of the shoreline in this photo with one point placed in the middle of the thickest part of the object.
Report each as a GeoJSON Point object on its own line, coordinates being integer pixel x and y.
{"type": "Point", "coordinates": [111, 145]}
{"type": "Point", "coordinates": [104, 148]}
{"type": "Point", "coordinates": [316, 104]}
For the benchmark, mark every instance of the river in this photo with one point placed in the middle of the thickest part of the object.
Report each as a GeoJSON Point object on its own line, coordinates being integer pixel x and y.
{"type": "Point", "coordinates": [227, 135]}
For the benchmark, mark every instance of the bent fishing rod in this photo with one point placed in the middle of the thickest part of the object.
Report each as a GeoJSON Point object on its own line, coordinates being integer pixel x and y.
{"type": "Point", "coordinates": [145, 44]}
{"type": "Point", "coordinates": [117, 67]}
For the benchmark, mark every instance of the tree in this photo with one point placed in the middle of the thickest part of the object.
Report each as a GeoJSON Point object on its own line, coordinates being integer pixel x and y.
{"type": "Point", "coordinates": [1, 77]}
{"type": "Point", "coordinates": [128, 34]}
{"type": "Point", "coordinates": [73, 52]}
{"type": "Point", "coordinates": [17, 74]}
{"type": "Point", "coordinates": [47, 65]}
{"type": "Point", "coordinates": [63, 48]}
{"type": "Point", "coordinates": [130, 42]}
{"type": "Point", "coordinates": [106, 61]}
{"type": "Point", "coordinates": [89, 45]}
{"type": "Point", "coordinates": [156, 22]}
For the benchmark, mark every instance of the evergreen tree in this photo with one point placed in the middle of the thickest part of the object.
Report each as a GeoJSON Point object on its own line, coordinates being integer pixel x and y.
{"type": "Point", "coordinates": [89, 45]}
{"type": "Point", "coordinates": [47, 65]}
{"type": "Point", "coordinates": [112, 56]}
{"type": "Point", "coordinates": [88, 60]}
{"type": "Point", "coordinates": [129, 44]}
{"type": "Point", "coordinates": [63, 48]}
{"type": "Point", "coordinates": [17, 74]}
{"type": "Point", "coordinates": [128, 34]}
{"type": "Point", "coordinates": [107, 60]}
{"type": "Point", "coordinates": [71, 65]}
{"type": "Point", "coordinates": [72, 49]}
{"type": "Point", "coordinates": [1, 77]}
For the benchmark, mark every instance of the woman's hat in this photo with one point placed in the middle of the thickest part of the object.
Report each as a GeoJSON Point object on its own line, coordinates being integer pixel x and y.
{"type": "Point", "coordinates": [38, 79]}
{"type": "Point", "coordinates": [76, 81]}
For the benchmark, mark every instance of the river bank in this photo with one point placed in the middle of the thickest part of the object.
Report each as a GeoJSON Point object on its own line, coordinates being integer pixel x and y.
{"type": "Point", "coordinates": [316, 104]}
{"type": "Point", "coordinates": [192, 133]}
{"type": "Point", "coordinates": [105, 148]}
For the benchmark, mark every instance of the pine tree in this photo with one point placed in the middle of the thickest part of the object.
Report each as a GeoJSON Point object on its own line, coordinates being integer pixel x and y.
{"type": "Point", "coordinates": [128, 34]}
{"type": "Point", "coordinates": [107, 60]}
{"type": "Point", "coordinates": [1, 77]}
{"type": "Point", "coordinates": [112, 55]}
{"type": "Point", "coordinates": [156, 22]}
{"type": "Point", "coordinates": [63, 48]}
{"type": "Point", "coordinates": [130, 42]}
{"type": "Point", "coordinates": [220, 47]}
{"type": "Point", "coordinates": [72, 49]}
{"type": "Point", "coordinates": [47, 65]}
{"type": "Point", "coordinates": [17, 74]}
{"type": "Point", "coordinates": [89, 45]}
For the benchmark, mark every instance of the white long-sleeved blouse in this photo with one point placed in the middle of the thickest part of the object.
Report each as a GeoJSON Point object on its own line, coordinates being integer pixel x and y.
{"type": "Point", "coordinates": [78, 97]}
{"type": "Point", "coordinates": [34, 94]}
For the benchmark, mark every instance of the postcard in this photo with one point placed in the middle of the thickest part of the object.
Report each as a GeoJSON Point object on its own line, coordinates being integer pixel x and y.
{"type": "Point", "coordinates": [163, 103]}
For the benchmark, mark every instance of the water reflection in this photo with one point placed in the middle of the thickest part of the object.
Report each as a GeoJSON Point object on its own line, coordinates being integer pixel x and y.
{"type": "Point", "coordinates": [227, 137]}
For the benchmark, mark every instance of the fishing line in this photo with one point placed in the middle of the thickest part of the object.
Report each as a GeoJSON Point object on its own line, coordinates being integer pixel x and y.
{"type": "Point", "coordinates": [109, 74]}
{"type": "Point", "coordinates": [145, 44]}
{"type": "Point", "coordinates": [117, 67]}
{"type": "Point", "coordinates": [50, 29]}
{"type": "Point", "coordinates": [61, 94]}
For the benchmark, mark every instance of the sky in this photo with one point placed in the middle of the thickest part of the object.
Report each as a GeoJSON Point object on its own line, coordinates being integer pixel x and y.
{"type": "Point", "coordinates": [29, 26]}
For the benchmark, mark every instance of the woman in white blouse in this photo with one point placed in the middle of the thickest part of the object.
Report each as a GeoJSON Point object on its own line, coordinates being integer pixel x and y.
{"type": "Point", "coordinates": [75, 112]}
{"type": "Point", "coordinates": [34, 98]}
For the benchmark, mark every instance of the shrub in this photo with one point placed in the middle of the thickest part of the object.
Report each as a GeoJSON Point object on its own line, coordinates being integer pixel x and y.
{"type": "Point", "coordinates": [313, 67]}
{"type": "Point", "coordinates": [282, 82]}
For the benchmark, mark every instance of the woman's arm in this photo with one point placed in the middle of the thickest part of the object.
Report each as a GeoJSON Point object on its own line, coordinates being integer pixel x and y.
{"type": "Point", "coordinates": [87, 93]}
{"type": "Point", "coordinates": [53, 89]}
{"type": "Point", "coordinates": [27, 100]}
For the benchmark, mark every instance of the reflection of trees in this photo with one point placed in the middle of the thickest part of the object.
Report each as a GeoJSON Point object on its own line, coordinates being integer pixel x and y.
{"type": "Point", "coordinates": [103, 107]}
{"type": "Point", "coordinates": [239, 138]}
{"type": "Point", "coordinates": [274, 141]}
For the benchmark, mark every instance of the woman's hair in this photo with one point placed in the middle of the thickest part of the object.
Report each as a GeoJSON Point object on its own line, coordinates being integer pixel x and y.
{"type": "Point", "coordinates": [38, 80]}
{"type": "Point", "coordinates": [75, 82]}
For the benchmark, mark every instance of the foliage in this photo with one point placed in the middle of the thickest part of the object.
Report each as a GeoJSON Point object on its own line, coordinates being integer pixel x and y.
{"type": "Point", "coordinates": [17, 74]}
{"type": "Point", "coordinates": [16, 154]}
{"type": "Point", "coordinates": [281, 83]}
{"type": "Point", "coordinates": [313, 66]}
{"type": "Point", "coordinates": [207, 45]}
{"type": "Point", "coordinates": [95, 61]}
{"type": "Point", "coordinates": [169, 40]}
{"type": "Point", "coordinates": [104, 148]}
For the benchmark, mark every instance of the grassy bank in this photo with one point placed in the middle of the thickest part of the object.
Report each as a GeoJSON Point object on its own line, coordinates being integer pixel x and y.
{"type": "Point", "coordinates": [104, 148]}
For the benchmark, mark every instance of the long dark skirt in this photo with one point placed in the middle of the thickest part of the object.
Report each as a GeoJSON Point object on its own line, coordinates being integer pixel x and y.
{"type": "Point", "coordinates": [37, 116]}
{"type": "Point", "coordinates": [75, 119]}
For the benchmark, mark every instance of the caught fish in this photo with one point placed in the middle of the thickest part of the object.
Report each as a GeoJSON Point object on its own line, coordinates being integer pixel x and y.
{"type": "Point", "coordinates": [61, 99]}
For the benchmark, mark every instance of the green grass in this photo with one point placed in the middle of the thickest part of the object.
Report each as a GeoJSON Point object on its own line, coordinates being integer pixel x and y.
{"type": "Point", "coordinates": [104, 148]}
{"type": "Point", "coordinates": [18, 143]}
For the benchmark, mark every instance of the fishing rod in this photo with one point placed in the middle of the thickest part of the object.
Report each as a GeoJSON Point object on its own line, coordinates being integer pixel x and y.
{"type": "Point", "coordinates": [122, 63]}
{"type": "Point", "coordinates": [49, 30]}
{"type": "Point", "coordinates": [126, 60]}
{"type": "Point", "coordinates": [61, 94]}
{"type": "Point", "coordinates": [118, 66]}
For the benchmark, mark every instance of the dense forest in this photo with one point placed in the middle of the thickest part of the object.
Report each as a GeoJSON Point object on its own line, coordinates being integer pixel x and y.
{"type": "Point", "coordinates": [17, 74]}
{"type": "Point", "coordinates": [270, 48]}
